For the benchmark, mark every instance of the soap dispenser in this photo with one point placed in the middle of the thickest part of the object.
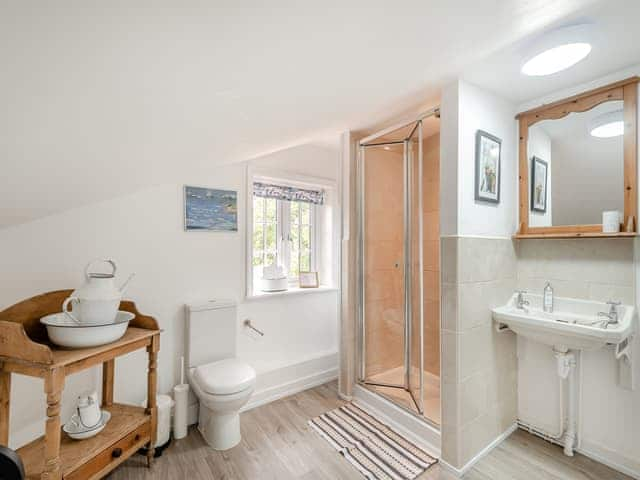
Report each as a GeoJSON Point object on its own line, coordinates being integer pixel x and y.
{"type": "Point", "coordinates": [547, 300]}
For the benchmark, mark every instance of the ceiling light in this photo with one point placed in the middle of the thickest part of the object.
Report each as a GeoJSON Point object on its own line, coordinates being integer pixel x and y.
{"type": "Point", "coordinates": [558, 50]}
{"type": "Point", "coordinates": [607, 125]}
{"type": "Point", "coordinates": [556, 59]}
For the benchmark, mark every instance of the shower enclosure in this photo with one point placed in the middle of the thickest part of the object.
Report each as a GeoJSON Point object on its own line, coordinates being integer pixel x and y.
{"type": "Point", "coordinates": [398, 288]}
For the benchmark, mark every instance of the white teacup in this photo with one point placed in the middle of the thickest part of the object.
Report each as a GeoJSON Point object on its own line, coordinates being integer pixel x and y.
{"type": "Point", "coordinates": [89, 409]}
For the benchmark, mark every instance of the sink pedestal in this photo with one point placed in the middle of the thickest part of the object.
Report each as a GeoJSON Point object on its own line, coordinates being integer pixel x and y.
{"type": "Point", "coordinates": [567, 371]}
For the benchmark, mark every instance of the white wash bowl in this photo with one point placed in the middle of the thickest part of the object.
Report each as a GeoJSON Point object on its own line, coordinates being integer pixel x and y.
{"type": "Point", "coordinates": [64, 332]}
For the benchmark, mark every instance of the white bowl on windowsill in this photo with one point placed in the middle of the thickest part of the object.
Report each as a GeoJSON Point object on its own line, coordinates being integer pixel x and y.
{"type": "Point", "coordinates": [275, 284]}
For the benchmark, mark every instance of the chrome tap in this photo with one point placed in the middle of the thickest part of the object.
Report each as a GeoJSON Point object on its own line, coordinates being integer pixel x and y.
{"type": "Point", "coordinates": [520, 301]}
{"type": "Point", "coordinates": [612, 315]}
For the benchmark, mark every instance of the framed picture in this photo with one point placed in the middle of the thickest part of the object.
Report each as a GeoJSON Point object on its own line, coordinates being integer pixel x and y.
{"type": "Point", "coordinates": [539, 170]}
{"type": "Point", "coordinates": [488, 149]}
{"type": "Point", "coordinates": [309, 280]}
{"type": "Point", "coordinates": [207, 209]}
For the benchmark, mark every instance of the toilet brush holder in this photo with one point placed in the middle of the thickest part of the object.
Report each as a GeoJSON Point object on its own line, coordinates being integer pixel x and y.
{"type": "Point", "coordinates": [181, 398]}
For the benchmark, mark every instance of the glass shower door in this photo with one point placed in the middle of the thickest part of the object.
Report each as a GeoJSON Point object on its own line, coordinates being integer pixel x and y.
{"type": "Point", "coordinates": [390, 250]}
{"type": "Point", "coordinates": [415, 291]}
{"type": "Point", "coordinates": [382, 265]}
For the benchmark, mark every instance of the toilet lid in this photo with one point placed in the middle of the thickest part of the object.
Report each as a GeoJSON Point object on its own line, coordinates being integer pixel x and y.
{"type": "Point", "coordinates": [225, 377]}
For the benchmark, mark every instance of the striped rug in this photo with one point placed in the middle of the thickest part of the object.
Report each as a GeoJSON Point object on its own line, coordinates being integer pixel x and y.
{"type": "Point", "coordinates": [376, 450]}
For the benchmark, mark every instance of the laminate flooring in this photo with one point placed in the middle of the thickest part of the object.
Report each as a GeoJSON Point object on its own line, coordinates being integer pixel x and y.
{"type": "Point", "coordinates": [278, 444]}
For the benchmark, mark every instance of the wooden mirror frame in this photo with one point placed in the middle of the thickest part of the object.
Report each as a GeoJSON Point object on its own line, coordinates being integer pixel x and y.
{"type": "Point", "coordinates": [625, 90]}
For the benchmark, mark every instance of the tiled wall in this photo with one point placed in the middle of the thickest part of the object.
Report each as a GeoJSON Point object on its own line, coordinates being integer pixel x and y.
{"type": "Point", "coordinates": [590, 268]}
{"type": "Point", "coordinates": [479, 368]}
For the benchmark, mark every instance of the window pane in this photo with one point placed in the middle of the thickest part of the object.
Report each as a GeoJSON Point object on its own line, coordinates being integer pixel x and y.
{"type": "Point", "coordinates": [270, 258]}
{"type": "Point", "coordinates": [305, 239]}
{"type": "Point", "coordinates": [295, 213]}
{"type": "Point", "coordinates": [271, 209]}
{"type": "Point", "coordinates": [257, 237]}
{"type": "Point", "coordinates": [258, 210]}
{"type": "Point", "coordinates": [294, 270]}
{"type": "Point", "coordinates": [257, 258]}
{"type": "Point", "coordinates": [305, 209]}
{"type": "Point", "coordinates": [305, 262]}
{"type": "Point", "coordinates": [270, 240]}
{"type": "Point", "coordinates": [294, 235]}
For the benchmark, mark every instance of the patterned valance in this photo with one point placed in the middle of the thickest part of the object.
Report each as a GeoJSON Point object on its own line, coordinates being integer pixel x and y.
{"type": "Point", "coordinates": [291, 194]}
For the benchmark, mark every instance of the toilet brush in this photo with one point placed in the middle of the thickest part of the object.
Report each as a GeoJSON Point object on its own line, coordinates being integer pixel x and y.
{"type": "Point", "coordinates": [181, 398]}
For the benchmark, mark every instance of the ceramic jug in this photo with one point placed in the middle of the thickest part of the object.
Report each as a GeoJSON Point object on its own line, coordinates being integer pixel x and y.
{"type": "Point", "coordinates": [98, 300]}
{"type": "Point", "coordinates": [89, 409]}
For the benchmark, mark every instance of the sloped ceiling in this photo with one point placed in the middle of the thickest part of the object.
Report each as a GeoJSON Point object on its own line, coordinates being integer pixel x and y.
{"type": "Point", "coordinates": [98, 99]}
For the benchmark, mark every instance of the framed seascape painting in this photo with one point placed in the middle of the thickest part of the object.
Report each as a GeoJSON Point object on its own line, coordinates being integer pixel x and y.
{"type": "Point", "coordinates": [207, 209]}
{"type": "Point", "coordinates": [487, 186]}
{"type": "Point", "coordinates": [539, 184]}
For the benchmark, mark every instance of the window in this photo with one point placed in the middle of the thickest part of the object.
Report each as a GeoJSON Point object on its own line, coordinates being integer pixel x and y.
{"type": "Point", "coordinates": [284, 229]}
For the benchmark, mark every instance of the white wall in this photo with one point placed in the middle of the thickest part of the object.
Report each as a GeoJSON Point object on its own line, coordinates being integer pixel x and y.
{"type": "Point", "coordinates": [449, 123]}
{"type": "Point", "coordinates": [540, 146]}
{"type": "Point", "coordinates": [481, 110]}
{"type": "Point", "coordinates": [144, 233]}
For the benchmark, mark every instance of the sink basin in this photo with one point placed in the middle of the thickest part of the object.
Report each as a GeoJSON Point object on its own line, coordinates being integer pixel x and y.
{"type": "Point", "coordinates": [574, 324]}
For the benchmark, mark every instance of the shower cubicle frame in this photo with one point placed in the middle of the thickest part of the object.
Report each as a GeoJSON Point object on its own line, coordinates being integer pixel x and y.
{"type": "Point", "coordinates": [408, 212]}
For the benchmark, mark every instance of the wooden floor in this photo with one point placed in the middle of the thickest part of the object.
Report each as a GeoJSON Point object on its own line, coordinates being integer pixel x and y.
{"type": "Point", "coordinates": [278, 444]}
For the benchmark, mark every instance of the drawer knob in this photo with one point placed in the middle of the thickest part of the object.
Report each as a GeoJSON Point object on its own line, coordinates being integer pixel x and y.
{"type": "Point", "coordinates": [137, 437]}
{"type": "Point", "coordinates": [117, 452]}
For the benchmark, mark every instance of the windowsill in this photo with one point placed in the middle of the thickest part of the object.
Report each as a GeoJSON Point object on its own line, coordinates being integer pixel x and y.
{"type": "Point", "coordinates": [292, 291]}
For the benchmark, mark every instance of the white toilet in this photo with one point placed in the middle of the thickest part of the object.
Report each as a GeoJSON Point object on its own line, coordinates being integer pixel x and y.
{"type": "Point", "coordinates": [222, 383]}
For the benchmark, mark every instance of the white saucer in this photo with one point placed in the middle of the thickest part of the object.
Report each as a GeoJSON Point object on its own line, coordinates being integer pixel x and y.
{"type": "Point", "coordinates": [77, 431]}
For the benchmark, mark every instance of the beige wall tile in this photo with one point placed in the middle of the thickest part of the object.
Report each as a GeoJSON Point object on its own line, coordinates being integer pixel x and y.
{"type": "Point", "coordinates": [561, 288]}
{"type": "Point", "coordinates": [449, 307]}
{"type": "Point", "coordinates": [605, 292]}
{"type": "Point", "coordinates": [473, 397]}
{"type": "Point", "coordinates": [485, 259]}
{"type": "Point", "coordinates": [605, 261]}
{"type": "Point", "coordinates": [450, 363]}
{"type": "Point", "coordinates": [476, 350]}
{"type": "Point", "coordinates": [449, 256]}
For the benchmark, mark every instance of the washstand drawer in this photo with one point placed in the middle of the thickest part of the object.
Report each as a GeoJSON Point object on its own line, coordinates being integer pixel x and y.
{"type": "Point", "coordinates": [113, 455]}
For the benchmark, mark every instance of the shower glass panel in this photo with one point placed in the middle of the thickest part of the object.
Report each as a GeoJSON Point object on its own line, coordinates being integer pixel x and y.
{"type": "Point", "coordinates": [391, 317]}
{"type": "Point", "coordinates": [383, 289]}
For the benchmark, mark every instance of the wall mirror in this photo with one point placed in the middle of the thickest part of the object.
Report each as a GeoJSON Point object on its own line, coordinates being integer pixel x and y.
{"type": "Point", "coordinates": [578, 159]}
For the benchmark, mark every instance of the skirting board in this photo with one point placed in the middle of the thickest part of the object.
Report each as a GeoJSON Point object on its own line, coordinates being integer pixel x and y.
{"type": "Point", "coordinates": [405, 423]}
{"type": "Point", "coordinates": [282, 382]}
{"type": "Point", "coordinates": [459, 472]}
{"type": "Point", "coordinates": [606, 457]}
{"type": "Point", "coordinates": [621, 464]}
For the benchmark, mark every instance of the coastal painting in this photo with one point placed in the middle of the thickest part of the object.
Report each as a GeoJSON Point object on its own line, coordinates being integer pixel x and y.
{"type": "Point", "coordinates": [208, 209]}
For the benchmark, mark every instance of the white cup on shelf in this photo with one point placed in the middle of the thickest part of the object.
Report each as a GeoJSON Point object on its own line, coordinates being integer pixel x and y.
{"type": "Point", "coordinates": [89, 409]}
{"type": "Point", "coordinates": [611, 221]}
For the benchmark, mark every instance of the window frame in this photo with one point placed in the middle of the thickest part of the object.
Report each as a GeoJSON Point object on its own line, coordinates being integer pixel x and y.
{"type": "Point", "coordinates": [283, 208]}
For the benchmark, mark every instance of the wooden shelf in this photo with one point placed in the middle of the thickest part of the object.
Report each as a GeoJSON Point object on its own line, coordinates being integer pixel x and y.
{"type": "Point", "coordinates": [520, 236]}
{"type": "Point", "coordinates": [79, 359]}
{"type": "Point", "coordinates": [125, 419]}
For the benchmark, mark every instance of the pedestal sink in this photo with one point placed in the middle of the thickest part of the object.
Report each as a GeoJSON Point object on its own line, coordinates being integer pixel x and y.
{"type": "Point", "coordinates": [573, 325]}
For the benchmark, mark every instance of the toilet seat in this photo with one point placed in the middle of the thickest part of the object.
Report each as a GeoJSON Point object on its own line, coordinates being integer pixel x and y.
{"type": "Point", "coordinates": [224, 377]}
